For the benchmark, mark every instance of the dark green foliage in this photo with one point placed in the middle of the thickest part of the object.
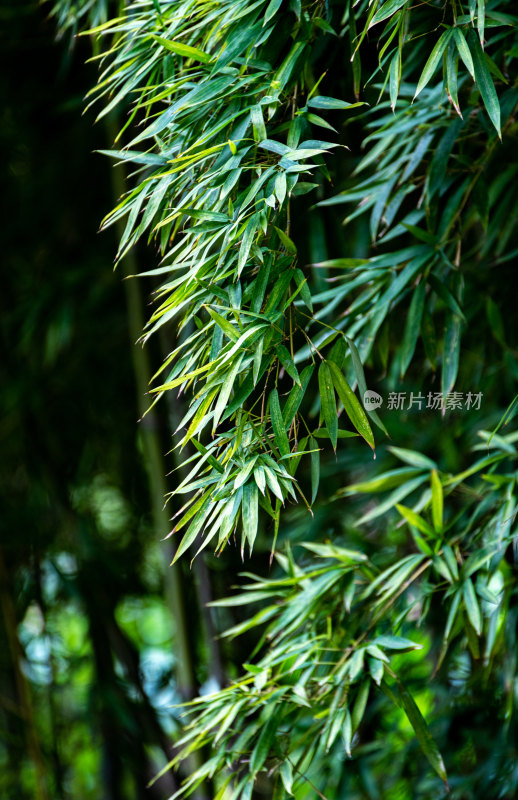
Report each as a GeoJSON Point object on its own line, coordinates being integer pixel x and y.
{"type": "Point", "coordinates": [238, 116]}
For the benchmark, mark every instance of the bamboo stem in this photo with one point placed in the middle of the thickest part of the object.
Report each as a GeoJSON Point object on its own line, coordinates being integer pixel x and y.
{"type": "Point", "coordinates": [26, 709]}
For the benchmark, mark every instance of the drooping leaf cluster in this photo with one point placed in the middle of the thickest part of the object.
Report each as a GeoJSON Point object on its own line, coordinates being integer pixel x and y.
{"type": "Point", "coordinates": [237, 111]}
{"type": "Point", "coordinates": [227, 97]}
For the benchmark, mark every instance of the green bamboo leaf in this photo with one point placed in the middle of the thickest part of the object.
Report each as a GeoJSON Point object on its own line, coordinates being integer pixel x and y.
{"type": "Point", "coordinates": [452, 613]}
{"type": "Point", "coordinates": [281, 440]}
{"type": "Point", "coordinates": [451, 78]}
{"type": "Point", "coordinates": [395, 78]}
{"type": "Point", "coordinates": [259, 288]}
{"type": "Point", "coordinates": [463, 50]}
{"type": "Point", "coordinates": [391, 642]}
{"type": "Point", "coordinates": [433, 61]}
{"type": "Point", "coordinates": [264, 744]}
{"type": "Point", "coordinates": [225, 325]}
{"type": "Point", "coordinates": [388, 480]}
{"type": "Point", "coordinates": [398, 494]}
{"type": "Point", "coordinates": [273, 483]}
{"type": "Point", "coordinates": [485, 81]}
{"type": "Point", "coordinates": [286, 241]}
{"type": "Point", "coordinates": [439, 163]}
{"type": "Point", "coordinates": [450, 559]}
{"type": "Point", "coordinates": [192, 531]}
{"type": "Point", "coordinates": [412, 327]}
{"type": "Point", "coordinates": [243, 474]}
{"type": "Point", "coordinates": [505, 419]}
{"type": "Point", "coordinates": [256, 115]}
{"type": "Point", "coordinates": [429, 338]}
{"type": "Point", "coordinates": [360, 704]}
{"type": "Point", "coordinates": [247, 241]}
{"type": "Point", "coordinates": [442, 568]}
{"type": "Point", "coordinates": [451, 353]}
{"type": "Point", "coordinates": [271, 10]}
{"type": "Point", "coordinates": [315, 467]}
{"type": "Point", "coordinates": [413, 458]}
{"type": "Point", "coordinates": [182, 49]}
{"type": "Point", "coordinates": [445, 295]}
{"type": "Point", "coordinates": [286, 773]}
{"type": "Point", "coordinates": [200, 418]}
{"type": "Point", "coordinates": [387, 10]}
{"type": "Point", "coordinates": [323, 433]}
{"type": "Point", "coordinates": [471, 605]}
{"type": "Point", "coordinates": [347, 732]}
{"type": "Point", "coordinates": [287, 362]}
{"type": "Point", "coordinates": [424, 737]}
{"type": "Point", "coordinates": [481, 16]}
{"type": "Point", "coordinates": [351, 404]}
{"type": "Point", "coordinates": [203, 450]}
{"type": "Point", "coordinates": [280, 187]}
{"type": "Point", "coordinates": [250, 512]}
{"type": "Point", "coordinates": [331, 103]}
{"type": "Point", "coordinates": [285, 71]}
{"type": "Point", "coordinates": [296, 395]}
{"type": "Point", "coordinates": [356, 62]}
{"type": "Point", "coordinates": [437, 500]}
{"type": "Point", "coordinates": [278, 291]}
{"type": "Point", "coordinates": [360, 377]}
{"type": "Point", "coordinates": [322, 123]}
{"type": "Point", "coordinates": [302, 284]}
{"type": "Point", "coordinates": [415, 520]}
{"type": "Point", "coordinates": [376, 670]}
{"type": "Point", "coordinates": [327, 402]}
{"type": "Point", "coordinates": [226, 391]}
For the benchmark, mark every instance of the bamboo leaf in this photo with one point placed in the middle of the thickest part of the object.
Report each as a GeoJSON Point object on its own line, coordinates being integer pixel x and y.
{"type": "Point", "coordinates": [264, 744]}
{"type": "Point", "coordinates": [287, 362]}
{"type": "Point", "coordinates": [412, 327]}
{"type": "Point", "coordinates": [415, 520]}
{"type": "Point", "coordinates": [485, 81]}
{"type": "Point", "coordinates": [271, 10]}
{"type": "Point", "coordinates": [437, 500]}
{"type": "Point", "coordinates": [433, 61]}
{"type": "Point", "coordinates": [281, 439]}
{"type": "Point", "coordinates": [387, 10]}
{"type": "Point", "coordinates": [182, 49]}
{"type": "Point", "coordinates": [327, 402]}
{"type": "Point", "coordinates": [330, 103]}
{"type": "Point", "coordinates": [463, 50]}
{"type": "Point", "coordinates": [315, 467]}
{"type": "Point", "coordinates": [286, 241]}
{"type": "Point", "coordinates": [471, 605]}
{"type": "Point", "coordinates": [422, 732]}
{"type": "Point", "coordinates": [224, 324]}
{"type": "Point", "coordinates": [351, 404]}
{"type": "Point", "coordinates": [250, 511]}
{"type": "Point", "coordinates": [395, 78]}
{"type": "Point", "coordinates": [450, 361]}
{"type": "Point", "coordinates": [362, 384]}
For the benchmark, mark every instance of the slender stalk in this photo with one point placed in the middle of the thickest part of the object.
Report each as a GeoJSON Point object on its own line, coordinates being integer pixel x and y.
{"type": "Point", "coordinates": [26, 709]}
{"type": "Point", "coordinates": [155, 464]}
{"type": "Point", "coordinates": [153, 458]}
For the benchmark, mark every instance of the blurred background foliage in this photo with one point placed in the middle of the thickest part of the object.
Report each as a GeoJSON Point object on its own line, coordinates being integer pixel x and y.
{"type": "Point", "coordinates": [94, 649]}
{"type": "Point", "coordinates": [87, 645]}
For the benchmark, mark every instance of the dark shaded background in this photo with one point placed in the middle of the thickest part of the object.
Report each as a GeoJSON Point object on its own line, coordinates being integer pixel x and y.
{"type": "Point", "coordinates": [87, 648]}
{"type": "Point", "coordinates": [91, 660]}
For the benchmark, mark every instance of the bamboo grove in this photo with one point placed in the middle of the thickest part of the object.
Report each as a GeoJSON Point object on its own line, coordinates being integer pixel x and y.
{"type": "Point", "coordinates": [331, 190]}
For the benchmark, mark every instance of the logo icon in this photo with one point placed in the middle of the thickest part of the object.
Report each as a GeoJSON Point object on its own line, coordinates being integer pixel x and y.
{"type": "Point", "coordinates": [372, 399]}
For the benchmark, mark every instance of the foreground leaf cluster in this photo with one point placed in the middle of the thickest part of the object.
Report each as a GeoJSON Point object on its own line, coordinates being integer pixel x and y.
{"type": "Point", "coordinates": [240, 116]}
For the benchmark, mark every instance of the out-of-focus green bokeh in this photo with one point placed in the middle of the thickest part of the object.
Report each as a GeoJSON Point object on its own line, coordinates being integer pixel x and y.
{"type": "Point", "coordinates": [87, 646]}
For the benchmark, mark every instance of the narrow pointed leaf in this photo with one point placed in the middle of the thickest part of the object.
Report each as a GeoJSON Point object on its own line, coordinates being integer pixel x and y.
{"type": "Point", "coordinates": [351, 404]}
{"type": "Point", "coordinates": [328, 402]}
